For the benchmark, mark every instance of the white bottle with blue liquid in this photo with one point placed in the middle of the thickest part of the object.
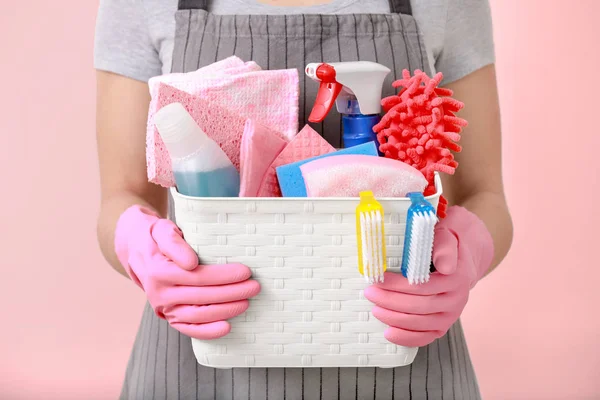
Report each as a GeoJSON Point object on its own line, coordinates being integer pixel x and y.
{"type": "Point", "coordinates": [200, 166]}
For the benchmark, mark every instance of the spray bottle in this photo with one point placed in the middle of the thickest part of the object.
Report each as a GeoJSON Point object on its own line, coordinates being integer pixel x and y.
{"type": "Point", "coordinates": [356, 88]}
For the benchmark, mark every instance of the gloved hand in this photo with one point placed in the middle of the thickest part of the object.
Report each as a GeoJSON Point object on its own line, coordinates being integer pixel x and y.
{"type": "Point", "coordinates": [419, 314]}
{"type": "Point", "coordinates": [196, 300]}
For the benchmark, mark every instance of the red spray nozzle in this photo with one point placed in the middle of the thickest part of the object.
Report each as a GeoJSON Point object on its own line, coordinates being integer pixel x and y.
{"type": "Point", "coordinates": [329, 89]}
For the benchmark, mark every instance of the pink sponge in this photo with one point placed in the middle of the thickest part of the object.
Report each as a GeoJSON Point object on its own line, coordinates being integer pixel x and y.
{"type": "Point", "coordinates": [222, 126]}
{"type": "Point", "coordinates": [348, 175]}
{"type": "Point", "coordinates": [306, 144]}
{"type": "Point", "coordinates": [260, 147]}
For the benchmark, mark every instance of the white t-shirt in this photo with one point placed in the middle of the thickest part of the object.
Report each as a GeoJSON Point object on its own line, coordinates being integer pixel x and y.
{"type": "Point", "coordinates": [134, 38]}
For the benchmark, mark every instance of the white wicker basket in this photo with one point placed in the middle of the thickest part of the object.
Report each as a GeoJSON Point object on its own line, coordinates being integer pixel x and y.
{"type": "Point", "coordinates": [311, 311]}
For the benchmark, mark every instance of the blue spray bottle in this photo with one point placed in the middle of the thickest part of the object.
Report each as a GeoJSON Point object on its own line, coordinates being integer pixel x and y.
{"type": "Point", "coordinates": [355, 87]}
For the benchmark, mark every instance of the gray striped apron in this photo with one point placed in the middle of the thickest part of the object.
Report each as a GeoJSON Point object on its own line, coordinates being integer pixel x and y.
{"type": "Point", "coordinates": [162, 363]}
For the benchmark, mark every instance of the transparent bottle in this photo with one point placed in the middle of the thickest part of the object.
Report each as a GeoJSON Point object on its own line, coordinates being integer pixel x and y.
{"type": "Point", "coordinates": [200, 166]}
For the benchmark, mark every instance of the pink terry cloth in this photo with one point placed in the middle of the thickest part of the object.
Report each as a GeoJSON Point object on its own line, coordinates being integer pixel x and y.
{"type": "Point", "coordinates": [260, 146]}
{"type": "Point", "coordinates": [306, 144]}
{"type": "Point", "coordinates": [268, 97]}
{"type": "Point", "coordinates": [348, 175]}
{"type": "Point", "coordinates": [221, 125]}
{"type": "Point", "coordinates": [189, 81]}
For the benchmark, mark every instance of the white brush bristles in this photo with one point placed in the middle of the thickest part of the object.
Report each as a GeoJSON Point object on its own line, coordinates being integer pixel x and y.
{"type": "Point", "coordinates": [421, 247]}
{"type": "Point", "coordinates": [372, 241]}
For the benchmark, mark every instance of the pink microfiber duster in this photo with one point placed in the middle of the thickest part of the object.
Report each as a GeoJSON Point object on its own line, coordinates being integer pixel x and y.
{"type": "Point", "coordinates": [306, 144]}
{"type": "Point", "coordinates": [348, 175]}
{"type": "Point", "coordinates": [268, 97]}
{"type": "Point", "coordinates": [420, 127]}
{"type": "Point", "coordinates": [260, 147]}
{"type": "Point", "coordinates": [220, 125]}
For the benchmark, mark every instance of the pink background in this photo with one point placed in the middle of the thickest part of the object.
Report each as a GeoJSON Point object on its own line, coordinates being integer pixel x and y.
{"type": "Point", "coordinates": [69, 320]}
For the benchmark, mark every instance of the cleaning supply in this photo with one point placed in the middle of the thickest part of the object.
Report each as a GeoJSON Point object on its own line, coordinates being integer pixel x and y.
{"type": "Point", "coordinates": [306, 144]}
{"type": "Point", "coordinates": [221, 97]}
{"type": "Point", "coordinates": [356, 88]}
{"type": "Point", "coordinates": [420, 127]}
{"type": "Point", "coordinates": [370, 236]}
{"type": "Point", "coordinates": [260, 147]}
{"type": "Point", "coordinates": [195, 301]}
{"type": "Point", "coordinates": [419, 314]}
{"type": "Point", "coordinates": [418, 239]}
{"type": "Point", "coordinates": [270, 97]}
{"type": "Point", "coordinates": [348, 175]}
{"type": "Point", "coordinates": [200, 167]}
{"type": "Point", "coordinates": [222, 126]}
{"type": "Point", "coordinates": [290, 177]}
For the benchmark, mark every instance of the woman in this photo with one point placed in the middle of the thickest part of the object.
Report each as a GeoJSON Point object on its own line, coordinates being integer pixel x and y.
{"type": "Point", "coordinates": [138, 39]}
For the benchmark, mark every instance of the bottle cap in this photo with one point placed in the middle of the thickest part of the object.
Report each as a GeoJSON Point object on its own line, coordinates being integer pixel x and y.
{"type": "Point", "coordinates": [178, 130]}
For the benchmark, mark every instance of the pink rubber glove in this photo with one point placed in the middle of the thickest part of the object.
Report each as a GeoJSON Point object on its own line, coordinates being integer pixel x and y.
{"type": "Point", "coordinates": [419, 314]}
{"type": "Point", "coordinates": [196, 300]}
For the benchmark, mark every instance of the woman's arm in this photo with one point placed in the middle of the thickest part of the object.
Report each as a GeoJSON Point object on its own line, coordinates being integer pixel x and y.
{"type": "Point", "coordinates": [477, 184]}
{"type": "Point", "coordinates": [122, 110]}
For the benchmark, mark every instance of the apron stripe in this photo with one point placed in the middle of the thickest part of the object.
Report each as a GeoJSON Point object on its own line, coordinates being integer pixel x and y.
{"type": "Point", "coordinates": [449, 356]}
{"type": "Point", "coordinates": [420, 48]}
{"type": "Point", "coordinates": [356, 37]}
{"type": "Point", "coordinates": [166, 361]}
{"type": "Point", "coordinates": [251, 37]}
{"type": "Point", "coordinates": [439, 359]}
{"type": "Point", "coordinates": [187, 39]}
{"type": "Point", "coordinates": [146, 352]}
{"type": "Point", "coordinates": [427, 349]}
{"type": "Point", "coordinates": [178, 366]}
{"type": "Point", "coordinates": [235, 36]}
{"type": "Point", "coordinates": [202, 41]}
{"type": "Point", "coordinates": [155, 360]}
{"type": "Point", "coordinates": [410, 381]}
{"type": "Point", "coordinates": [268, 44]}
{"type": "Point", "coordinates": [392, 52]}
{"type": "Point", "coordinates": [218, 40]}
{"type": "Point", "coordinates": [405, 40]}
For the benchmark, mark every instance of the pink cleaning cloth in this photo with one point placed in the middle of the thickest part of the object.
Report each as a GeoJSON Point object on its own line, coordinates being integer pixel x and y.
{"type": "Point", "coordinates": [306, 144]}
{"type": "Point", "coordinates": [220, 125]}
{"type": "Point", "coordinates": [189, 81]}
{"type": "Point", "coordinates": [260, 146]}
{"type": "Point", "coordinates": [268, 97]}
{"type": "Point", "coordinates": [348, 175]}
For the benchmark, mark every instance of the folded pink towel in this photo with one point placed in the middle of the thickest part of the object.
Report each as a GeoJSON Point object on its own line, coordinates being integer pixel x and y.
{"type": "Point", "coordinates": [267, 97]}
{"type": "Point", "coordinates": [348, 175]}
{"type": "Point", "coordinates": [260, 146]}
{"type": "Point", "coordinates": [222, 126]}
{"type": "Point", "coordinates": [306, 144]}
{"type": "Point", "coordinates": [189, 82]}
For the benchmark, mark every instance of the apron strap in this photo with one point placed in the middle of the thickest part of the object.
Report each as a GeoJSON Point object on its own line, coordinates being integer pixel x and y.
{"type": "Point", "coordinates": [193, 5]}
{"type": "Point", "coordinates": [401, 7]}
{"type": "Point", "coordinates": [396, 6]}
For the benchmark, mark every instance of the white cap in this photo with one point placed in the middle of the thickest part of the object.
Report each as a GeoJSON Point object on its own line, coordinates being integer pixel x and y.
{"type": "Point", "coordinates": [178, 130]}
{"type": "Point", "coordinates": [364, 79]}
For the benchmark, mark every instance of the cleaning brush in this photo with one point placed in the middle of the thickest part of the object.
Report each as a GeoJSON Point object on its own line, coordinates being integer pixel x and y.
{"type": "Point", "coordinates": [370, 238]}
{"type": "Point", "coordinates": [418, 240]}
